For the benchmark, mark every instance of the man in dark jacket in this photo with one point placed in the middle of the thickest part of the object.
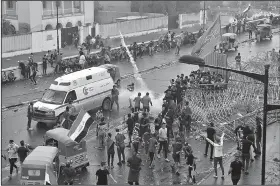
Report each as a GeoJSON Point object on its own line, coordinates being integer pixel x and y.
{"type": "Point", "coordinates": [110, 150]}
{"type": "Point", "coordinates": [130, 126]}
{"type": "Point", "coordinates": [29, 115]}
{"type": "Point", "coordinates": [134, 164]}
{"type": "Point", "coordinates": [120, 146]}
{"type": "Point", "coordinates": [258, 135]}
{"type": "Point", "coordinates": [69, 173]}
{"type": "Point", "coordinates": [246, 146]}
{"type": "Point", "coordinates": [115, 97]}
{"type": "Point", "coordinates": [210, 135]}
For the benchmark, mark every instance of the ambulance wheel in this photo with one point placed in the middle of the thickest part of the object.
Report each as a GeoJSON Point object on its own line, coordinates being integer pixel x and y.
{"type": "Point", "coordinates": [84, 169]}
{"type": "Point", "coordinates": [106, 105]}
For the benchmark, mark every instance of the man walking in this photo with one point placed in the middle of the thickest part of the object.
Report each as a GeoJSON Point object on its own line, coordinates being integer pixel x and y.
{"type": "Point", "coordinates": [146, 100]}
{"type": "Point", "coordinates": [137, 101]}
{"type": "Point", "coordinates": [258, 135]}
{"type": "Point", "coordinates": [130, 126]}
{"type": "Point", "coordinates": [120, 146]}
{"type": "Point", "coordinates": [45, 65]}
{"type": "Point", "coordinates": [115, 97]}
{"type": "Point", "coordinates": [163, 141]}
{"type": "Point", "coordinates": [134, 164]}
{"type": "Point", "coordinates": [218, 154]}
{"type": "Point", "coordinates": [12, 155]}
{"type": "Point", "coordinates": [235, 169]}
{"type": "Point", "coordinates": [238, 61]}
{"type": "Point", "coordinates": [210, 135]}
{"type": "Point", "coordinates": [101, 133]}
{"type": "Point", "coordinates": [246, 147]}
{"type": "Point", "coordinates": [110, 150]}
{"type": "Point", "coordinates": [29, 115]}
{"type": "Point", "coordinates": [22, 152]}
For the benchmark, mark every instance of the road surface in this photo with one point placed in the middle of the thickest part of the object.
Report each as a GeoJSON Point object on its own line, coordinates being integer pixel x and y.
{"type": "Point", "coordinates": [254, 177]}
{"type": "Point", "coordinates": [14, 121]}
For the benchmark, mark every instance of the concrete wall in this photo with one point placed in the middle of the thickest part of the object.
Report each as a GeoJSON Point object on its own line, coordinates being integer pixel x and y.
{"type": "Point", "coordinates": [134, 26]}
{"type": "Point", "coordinates": [106, 17]}
{"type": "Point", "coordinates": [27, 43]}
{"type": "Point", "coordinates": [48, 40]}
{"type": "Point", "coordinates": [35, 14]}
{"type": "Point", "coordinates": [89, 12]}
{"type": "Point", "coordinates": [119, 6]}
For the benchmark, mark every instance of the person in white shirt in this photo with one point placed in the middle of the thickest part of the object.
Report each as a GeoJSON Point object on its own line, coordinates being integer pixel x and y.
{"type": "Point", "coordinates": [13, 156]}
{"type": "Point", "coordinates": [162, 134]}
{"type": "Point", "coordinates": [218, 154]}
{"type": "Point", "coordinates": [82, 60]}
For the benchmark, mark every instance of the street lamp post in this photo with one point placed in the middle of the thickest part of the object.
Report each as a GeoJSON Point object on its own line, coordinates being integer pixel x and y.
{"type": "Point", "coordinates": [187, 59]}
{"type": "Point", "coordinates": [57, 38]}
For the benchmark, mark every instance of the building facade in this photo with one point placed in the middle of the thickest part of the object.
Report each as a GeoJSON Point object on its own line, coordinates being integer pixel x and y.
{"type": "Point", "coordinates": [42, 15]}
{"type": "Point", "coordinates": [118, 6]}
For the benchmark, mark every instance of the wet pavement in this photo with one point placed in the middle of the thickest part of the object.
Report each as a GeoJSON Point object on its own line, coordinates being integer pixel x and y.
{"type": "Point", "coordinates": [14, 120]}
{"type": "Point", "coordinates": [254, 178]}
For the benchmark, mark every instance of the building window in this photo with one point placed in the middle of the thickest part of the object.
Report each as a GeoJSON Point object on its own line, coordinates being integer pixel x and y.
{"type": "Point", "coordinates": [44, 4]}
{"type": "Point", "coordinates": [77, 4]}
{"type": "Point", "coordinates": [10, 4]}
{"type": "Point", "coordinates": [57, 3]}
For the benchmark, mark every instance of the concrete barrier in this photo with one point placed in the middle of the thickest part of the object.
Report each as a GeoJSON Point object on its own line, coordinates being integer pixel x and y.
{"type": "Point", "coordinates": [17, 70]}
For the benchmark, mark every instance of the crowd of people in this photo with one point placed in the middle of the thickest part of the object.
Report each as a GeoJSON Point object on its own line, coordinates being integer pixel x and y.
{"type": "Point", "coordinates": [106, 55]}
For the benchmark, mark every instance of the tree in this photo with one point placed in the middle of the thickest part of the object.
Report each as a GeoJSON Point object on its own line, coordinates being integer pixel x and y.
{"type": "Point", "coordinates": [7, 28]}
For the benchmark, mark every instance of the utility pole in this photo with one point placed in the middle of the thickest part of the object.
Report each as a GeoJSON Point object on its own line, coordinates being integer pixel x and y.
{"type": "Point", "coordinates": [204, 15]}
{"type": "Point", "coordinates": [57, 38]}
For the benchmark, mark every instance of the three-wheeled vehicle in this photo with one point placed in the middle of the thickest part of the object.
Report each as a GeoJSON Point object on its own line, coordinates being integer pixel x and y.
{"type": "Point", "coordinates": [41, 165]}
{"type": "Point", "coordinates": [229, 41]}
{"type": "Point", "coordinates": [69, 150]}
{"type": "Point", "coordinates": [264, 31]}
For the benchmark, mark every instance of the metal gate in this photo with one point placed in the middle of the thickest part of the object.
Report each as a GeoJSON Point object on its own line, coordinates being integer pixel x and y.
{"type": "Point", "coordinates": [67, 35]}
{"type": "Point", "coordinates": [173, 22]}
{"type": "Point", "coordinates": [93, 32]}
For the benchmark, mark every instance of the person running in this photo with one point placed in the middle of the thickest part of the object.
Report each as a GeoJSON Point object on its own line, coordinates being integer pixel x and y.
{"type": "Point", "coordinates": [137, 101]}
{"type": "Point", "coordinates": [192, 166]}
{"type": "Point", "coordinates": [238, 61]}
{"type": "Point", "coordinates": [69, 172]}
{"type": "Point", "coordinates": [218, 154]}
{"type": "Point", "coordinates": [130, 126]}
{"type": "Point", "coordinates": [146, 100]}
{"type": "Point", "coordinates": [22, 152]}
{"type": "Point", "coordinates": [12, 155]}
{"type": "Point", "coordinates": [102, 175]}
{"type": "Point", "coordinates": [152, 149]}
{"type": "Point", "coordinates": [246, 147]}
{"type": "Point", "coordinates": [210, 135]}
{"type": "Point", "coordinates": [120, 146]}
{"type": "Point", "coordinates": [29, 115]}
{"type": "Point", "coordinates": [235, 169]}
{"type": "Point", "coordinates": [134, 164]}
{"type": "Point", "coordinates": [115, 98]}
{"type": "Point", "coordinates": [177, 147]}
{"type": "Point", "coordinates": [163, 141]}
{"type": "Point", "coordinates": [110, 150]}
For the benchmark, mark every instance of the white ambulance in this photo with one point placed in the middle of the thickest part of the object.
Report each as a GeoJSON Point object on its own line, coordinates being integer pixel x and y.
{"type": "Point", "coordinates": [88, 89]}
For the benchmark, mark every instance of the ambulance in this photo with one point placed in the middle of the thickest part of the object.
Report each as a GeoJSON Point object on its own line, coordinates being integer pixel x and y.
{"type": "Point", "coordinates": [88, 89]}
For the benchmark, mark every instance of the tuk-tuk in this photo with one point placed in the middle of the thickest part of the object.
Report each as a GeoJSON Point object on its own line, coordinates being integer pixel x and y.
{"type": "Point", "coordinates": [229, 41]}
{"type": "Point", "coordinates": [264, 31]}
{"type": "Point", "coordinates": [40, 166]}
{"type": "Point", "coordinates": [114, 72]}
{"type": "Point", "coordinates": [69, 150]}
